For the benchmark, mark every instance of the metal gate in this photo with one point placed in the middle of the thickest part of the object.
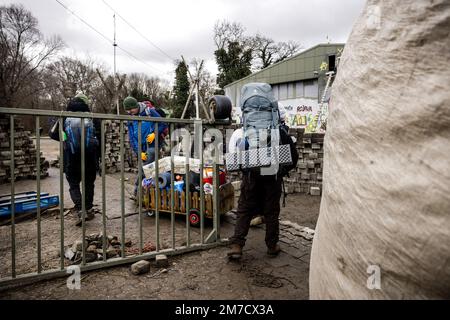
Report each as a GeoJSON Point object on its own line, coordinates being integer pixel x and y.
{"type": "Point", "coordinates": [211, 240]}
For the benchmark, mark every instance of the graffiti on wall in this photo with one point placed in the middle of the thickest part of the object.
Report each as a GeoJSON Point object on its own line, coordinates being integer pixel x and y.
{"type": "Point", "coordinates": [305, 113]}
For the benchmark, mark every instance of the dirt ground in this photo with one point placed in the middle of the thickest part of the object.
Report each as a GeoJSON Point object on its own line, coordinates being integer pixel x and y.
{"type": "Point", "coordinates": [199, 275]}
{"type": "Point", "coordinates": [302, 209]}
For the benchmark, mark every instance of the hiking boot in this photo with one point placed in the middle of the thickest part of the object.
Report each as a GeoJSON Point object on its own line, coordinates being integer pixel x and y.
{"type": "Point", "coordinates": [79, 222]}
{"type": "Point", "coordinates": [273, 251]}
{"type": "Point", "coordinates": [90, 214]}
{"type": "Point", "coordinates": [235, 252]}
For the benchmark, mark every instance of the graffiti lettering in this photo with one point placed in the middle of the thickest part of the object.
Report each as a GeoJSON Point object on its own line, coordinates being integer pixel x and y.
{"type": "Point", "coordinates": [304, 108]}
{"type": "Point", "coordinates": [288, 108]}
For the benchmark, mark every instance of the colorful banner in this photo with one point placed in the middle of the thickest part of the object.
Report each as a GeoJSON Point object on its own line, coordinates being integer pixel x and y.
{"type": "Point", "coordinates": [305, 113]}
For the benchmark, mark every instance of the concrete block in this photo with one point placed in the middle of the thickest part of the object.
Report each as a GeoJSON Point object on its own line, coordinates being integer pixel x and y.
{"type": "Point", "coordinates": [162, 261]}
{"type": "Point", "coordinates": [313, 156]}
{"type": "Point", "coordinates": [140, 267]}
{"type": "Point", "coordinates": [301, 165]}
{"type": "Point", "coordinates": [305, 176]}
{"type": "Point", "coordinates": [315, 191]}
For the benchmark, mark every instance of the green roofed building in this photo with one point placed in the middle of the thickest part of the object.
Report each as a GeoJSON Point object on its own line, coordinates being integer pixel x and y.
{"type": "Point", "coordinates": [298, 83]}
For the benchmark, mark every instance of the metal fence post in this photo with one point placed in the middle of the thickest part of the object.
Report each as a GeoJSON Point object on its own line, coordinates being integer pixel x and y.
{"type": "Point", "coordinates": [103, 171]}
{"type": "Point", "coordinates": [172, 183]}
{"type": "Point", "coordinates": [122, 187]}
{"type": "Point", "coordinates": [140, 169]}
{"type": "Point", "coordinates": [157, 197]}
{"type": "Point", "coordinates": [61, 189]}
{"type": "Point", "coordinates": [13, 204]}
{"type": "Point", "coordinates": [83, 191]}
{"type": "Point", "coordinates": [38, 190]}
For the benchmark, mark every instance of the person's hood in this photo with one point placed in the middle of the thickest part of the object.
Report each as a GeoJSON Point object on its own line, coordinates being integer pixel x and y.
{"type": "Point", "coordinates": [142, 107]}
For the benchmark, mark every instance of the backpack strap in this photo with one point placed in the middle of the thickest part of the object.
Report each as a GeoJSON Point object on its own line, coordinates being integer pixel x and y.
{"type": "Point", "coordinates": [274, 113]}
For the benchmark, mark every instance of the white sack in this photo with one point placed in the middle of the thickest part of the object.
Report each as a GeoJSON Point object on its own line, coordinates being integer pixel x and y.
{"type": "Point", "coordinates": [386, 197]}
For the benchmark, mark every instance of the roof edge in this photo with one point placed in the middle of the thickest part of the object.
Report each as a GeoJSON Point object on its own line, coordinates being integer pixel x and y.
{"type": "Point", "coordinates": [290, 58]}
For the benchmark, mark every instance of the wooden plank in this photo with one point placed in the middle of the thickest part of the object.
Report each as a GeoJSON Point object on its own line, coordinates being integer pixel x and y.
{"type": "Point", "coordinates": [209, 204]}
{"type": "Point", "coordinates": [169, 201]}
{"type": "Point", "coordinates": [177, 201]}
{"type": "Point", "coordinates": [152, 198]}
{"type": "Point", "coordinates": [164, 197]}
{"type": "Point", "coordinates": [195, 201]}
{"type": "Point", "coordinates": [183, 202]}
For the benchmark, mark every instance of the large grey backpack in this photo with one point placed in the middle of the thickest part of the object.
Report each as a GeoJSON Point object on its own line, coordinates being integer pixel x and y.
{"type": "Point", "coordinates": [259, 111]}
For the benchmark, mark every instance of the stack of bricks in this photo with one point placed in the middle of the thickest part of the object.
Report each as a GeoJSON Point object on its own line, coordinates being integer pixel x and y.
{"type": "Point", "coordinates": [24, 153]}
{"type": "Point", "coordinates": [307, 177]}
{"type": "Point", "coordinates": [112, 148]}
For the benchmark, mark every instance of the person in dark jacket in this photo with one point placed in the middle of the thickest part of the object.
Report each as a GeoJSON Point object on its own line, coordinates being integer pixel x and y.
{"type": "Point", "coordinates": [72, 157]}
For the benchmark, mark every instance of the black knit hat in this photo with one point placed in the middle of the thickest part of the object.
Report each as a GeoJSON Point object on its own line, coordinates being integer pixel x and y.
{"type": "Point", "coordinates": [77, 105]}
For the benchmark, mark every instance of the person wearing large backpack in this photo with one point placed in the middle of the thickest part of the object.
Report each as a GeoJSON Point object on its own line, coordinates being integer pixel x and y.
{"type": "Point", "coordinates": [72, 155]}
{"type": "Point", "coordinates": [260, 190]}
{"type": "Point", "coordinates": [143, 109]}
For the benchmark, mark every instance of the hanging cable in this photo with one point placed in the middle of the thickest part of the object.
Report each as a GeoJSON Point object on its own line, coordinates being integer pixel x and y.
{"type": "Point", "coordinates": [106, 38]}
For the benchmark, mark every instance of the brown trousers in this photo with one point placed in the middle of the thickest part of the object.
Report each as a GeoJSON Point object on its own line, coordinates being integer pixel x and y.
{"type": "Point", "coordinates": [259, 195]}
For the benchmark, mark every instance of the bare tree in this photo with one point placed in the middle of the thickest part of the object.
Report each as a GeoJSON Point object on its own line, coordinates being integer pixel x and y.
{"type": "Point", "coordinates": [264, 50]}
{"type": "Point", "coordinates": [105, 95]}
{"type": "Point", "coordinates": [267, 52]}
{"type": "Point", "coordinates": [157, 90]}
{"type": "Point", "coordinates": [143, 87]}
{"type": "Point", "coordinates": [136, 83]}
{"type": "Point", "coordinates": [23, 52]}
{"type": "Point", "coordinates": [229, 36]}
{"type": "Point", "coordinates": [286, 50]}
{"type": "Point", "coordinates": [73, 76]}
{"type": "Point", "coordinates": [225, 32]}
{"type": "Point", "coordinates": [207, 82]}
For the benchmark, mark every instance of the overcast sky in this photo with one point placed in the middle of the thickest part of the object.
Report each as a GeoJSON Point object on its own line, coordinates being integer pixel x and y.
{"type": "Point", "coordinates": [185, 27]}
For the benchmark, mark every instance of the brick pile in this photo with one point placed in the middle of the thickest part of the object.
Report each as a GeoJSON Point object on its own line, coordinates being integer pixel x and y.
{"type": "Point", "coordinates": [112, 148]}
{"type": "Point", "coordinates": [24, 153]}
{"type": "Point", "coordinates": [307, 177]}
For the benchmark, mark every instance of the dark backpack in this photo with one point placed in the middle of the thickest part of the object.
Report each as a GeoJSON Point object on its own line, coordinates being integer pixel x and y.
{"type": "Point", "coordinates": [161, 112]}
{"type": "Point", "coordinates": [72, 128]}
{"type": "Point", "coordinates": [287, 139]}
